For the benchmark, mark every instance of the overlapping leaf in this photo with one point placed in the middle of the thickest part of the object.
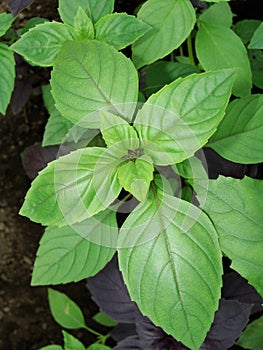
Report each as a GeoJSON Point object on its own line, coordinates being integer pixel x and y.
{"type": "Point", "coordinates": [239, 136]}
{"type": "Point", "coordinates": [220, 42]}
{"type": "Point", "coordinates": [235, 207]}
{"type": "Point", "coordinates": [171, 22]}
{"type": "Point", "coordinates": [178, 120]}
{"type": "Point", "coordinates": [219, 14]}
{"type": "Point", "coordinates": [42, 43]}
{"type": "Point", "coordinates": [73, 188]}
{"type": "Point", "coordinates": [252, 338]}
{"type": "Point", "coordinates": [108, 80]}
{"type": "Point", "coordinates": [120, 29]}
{"type": "Point", "coordinates": [72, 343]}
{"type": "Point", "coordinates": [72, 253]}
{"type": "Point", "coordinates": [7, 79]}
{"type": "Point", "coordinates": [83, 26]}
{"type": "Point", "coordinates": [171, 263]}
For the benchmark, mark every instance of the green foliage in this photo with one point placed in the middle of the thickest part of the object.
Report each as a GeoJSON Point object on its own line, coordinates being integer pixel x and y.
{"type": "Point", "coordinates": [7, 63]}
{"type": "Point", "coordinates": [219, 41]}
{"type": "Point", "coordinates": [178, 253]}
{"type": "Point", "coordinates": [171, 22]}
{"type": "Point", "coordinates": [104, 320]}
{"type": "Point", "coordinates": [65, 311]}
{"type": "Point", "coordinates": [257, 39]}
{"type": "Point", "coordinates": [6, 19]}
{"type": "Point", "coordinates": [252, 338]}
{"type": "Point", "coordinates": [239, 136]}
{"type": "Point", "coordinates": [169, 249]}
{"type": "Point", "coordinates": [239, 225]}
{"type": "Point", "coordinates": [97, 65]}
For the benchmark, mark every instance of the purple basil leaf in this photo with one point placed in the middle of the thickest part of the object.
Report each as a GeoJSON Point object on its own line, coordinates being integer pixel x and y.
{"type": "Point", "coordinates": [130, 343]}
{"type": "Point", "coordinates": [230, 319]}
{"type": "Point", "coordinates": [218, 165]}
{"type": "Point", "coordinates": [20, 95]}
{"type": "Point", "coordinates": [18, 5]}
{"type": "Point", "coordinates": [110, 293]}
{"type": "Point", "coordinates": [154, 338]}
{"type": "Point", "coordinates": [122, 331]}
{"type": "Point", "coordinates": [236, 287]}
{"type": "Point", "coordinates": [36, 157]}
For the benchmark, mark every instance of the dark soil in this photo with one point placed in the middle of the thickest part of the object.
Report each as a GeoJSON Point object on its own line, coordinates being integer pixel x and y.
{"type": "Point", "coordinates": [25, 319]}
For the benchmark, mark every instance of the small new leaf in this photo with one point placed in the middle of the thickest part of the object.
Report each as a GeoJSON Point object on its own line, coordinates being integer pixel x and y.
{"type": "Point", "coordinates": [257, 39]}
{"type": "Point", "coordinates": [72, 343]}
{"type": "Point", "coordinates": [136, 176]}
{"type": "Point", "coordinates": [118, 134]}
{"type": "Point", "coordinates": [42, 43]}
{"type": "Point", "coordinates": [83, 26]}
{"type": "Point", "coordinates": [65, 311]}
{"type": "Point", "coordinates": [120, 29]}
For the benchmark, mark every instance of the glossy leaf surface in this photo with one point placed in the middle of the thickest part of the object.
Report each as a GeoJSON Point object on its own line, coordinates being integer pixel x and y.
{"type": "Point", "coordinates": [219, 14]}
{"type": "Point", "coordinates": [178, 120]}
{"type": "Point", "coordinates": [171, 22]}
{"type": "Point", "coordinates": [169, 254]}
{"type": "Point", "coordinates": [220, 42]}
{"type": "Point", "coordinates": [239, 136]}
{"type": "Point", "coordinates": [235, 207]}
{"type": "Point", "coordinates": [120, 29]}
{"type": "Point", "coordinates": [108, 80]}
{"type": "Point", "coordinates": [83, 26]}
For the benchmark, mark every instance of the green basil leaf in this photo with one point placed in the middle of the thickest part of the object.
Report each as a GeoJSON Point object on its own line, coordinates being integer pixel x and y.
{"type": "Point", "coordinates": [108, 80]}
{"type": "Point", "coordinates": [257, 39]}
{"type": "Point", "coordinates": [98, 347]}
{"type": "Point", "coordinates": [171, 22]}
{"type": "Point", "coordinates": [179, 119]}
{"type": "Point", "coordinates": [256, 62]}
{"type": "Point", "coordinates": [252, 337]}
{"type": "Point", "coordinates": [172, 265]}
{"type": "Point", "coordinates": [235, 207]}
{"type": "Point", "coordinates": [104, 320]}
{"type": "Point", "coordinates": [221, 42]}
{"type": "Point", "coordinates": [215, 0]}
{"type": "Point", "coordinates": [7, 79]}
{"type": "Point", "coordinates": [65, 311]}
{"type": "Point", "coordinates": [6, 19]}
{"type": "Point", "coordinates": [57, 127]}
{"type": "Point", "coordinates": [219, 14]}
{"type": "Point", "coordinates": [52, 347]}
{"type": "Point", "coordinates": [73, 188]}
{"type": "Point", "coordinates": [161, 73]}
{"type": "Point", "coordinates": [120, 29]}
{"type": "Point", "coordinates": [42, 43]}
{"type": "Point", "coordinates": [118, 134]}
{"type": "Point", "coordinates": [72, 343]}
{"type": "Point", "coordinates": [94, 9]}
{"type": "Point", "coordinates": [246, 28]}
{"type": "Point", "coordinates": [239, 136]}
{"type": "Point", "coordinates": [72, 253]}
{"type": "Point", "coordinates": [83, 26]}
{"type": "Point", "coordinates": [136, 176]}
